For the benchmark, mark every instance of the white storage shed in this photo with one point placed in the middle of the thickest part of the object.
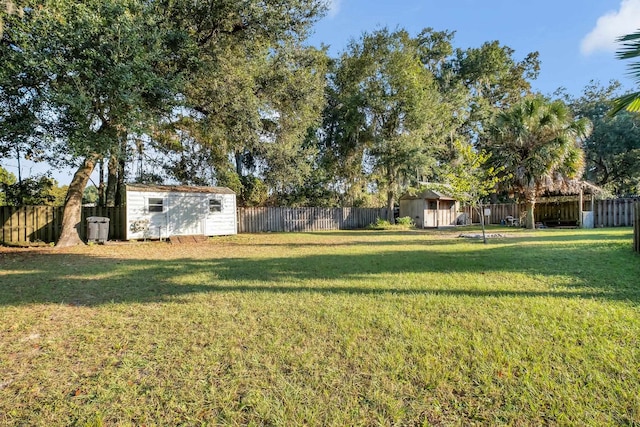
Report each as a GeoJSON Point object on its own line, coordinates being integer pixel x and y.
{"type": "Point", "coordinates": [161, 211]}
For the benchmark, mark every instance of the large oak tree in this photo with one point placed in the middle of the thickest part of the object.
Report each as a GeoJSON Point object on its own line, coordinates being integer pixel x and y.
{"type": "Point", "coordinates": [94, 73]}
{"type": "Point", "coordinates": [386, 113]}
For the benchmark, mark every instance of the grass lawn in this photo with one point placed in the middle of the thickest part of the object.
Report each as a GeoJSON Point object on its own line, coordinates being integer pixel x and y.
{"type": "Point", "coordinates": [343, 328]}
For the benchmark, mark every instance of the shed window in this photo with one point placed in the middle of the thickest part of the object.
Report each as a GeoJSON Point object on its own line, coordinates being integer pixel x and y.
{"type": "Point", "coordinates": [156, 204]}
{"type": "Point", "coordinates": [215, 205]}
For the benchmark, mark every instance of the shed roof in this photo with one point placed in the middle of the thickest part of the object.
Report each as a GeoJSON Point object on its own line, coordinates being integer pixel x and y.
{"type": "Point", "coordinates": [178, 189]}
{"type": "Point", "coordinates": [574, 187]}
{"type": "Point", "coordinates": [427, 194]}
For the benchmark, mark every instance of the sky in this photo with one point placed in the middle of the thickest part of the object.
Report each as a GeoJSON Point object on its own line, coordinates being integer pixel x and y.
{"type": "Point", "coordinates": [576, 39]}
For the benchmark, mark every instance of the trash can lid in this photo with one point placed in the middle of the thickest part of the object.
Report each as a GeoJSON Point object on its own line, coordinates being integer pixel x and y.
{"type": "Point", "coordinates": [98, 219]}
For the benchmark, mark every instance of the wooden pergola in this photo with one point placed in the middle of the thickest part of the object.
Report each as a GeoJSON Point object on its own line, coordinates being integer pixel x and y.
{"type": "Point", "coordinates": [579, 188]}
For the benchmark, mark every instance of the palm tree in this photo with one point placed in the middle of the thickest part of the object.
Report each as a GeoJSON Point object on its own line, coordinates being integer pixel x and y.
{"type": "Point", "coordinates": [537, 143]}
{"type": "Point", "coordinates": [630, 49]}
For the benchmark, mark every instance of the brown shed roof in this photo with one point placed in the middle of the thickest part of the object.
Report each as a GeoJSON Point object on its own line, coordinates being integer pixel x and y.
{"type": "Point", "coordinates": [428, 195]}
{"type": "Point", "coordinates": [179, 188]}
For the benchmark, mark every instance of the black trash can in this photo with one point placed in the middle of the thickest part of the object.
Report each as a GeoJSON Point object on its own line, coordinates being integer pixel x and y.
{"type": "Point", "coordinates": [97, 229]}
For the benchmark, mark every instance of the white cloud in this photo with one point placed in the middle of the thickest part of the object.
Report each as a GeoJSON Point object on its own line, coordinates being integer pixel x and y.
{"type": "Point", "coordinates": [611, 26]}
{"type": "Point", "coordinates": [333, 7]}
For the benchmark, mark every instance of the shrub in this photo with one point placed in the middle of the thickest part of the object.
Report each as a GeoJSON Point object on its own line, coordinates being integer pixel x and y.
{"type": "Point", "coordinates": [406, 221]}
{"type": "Point", "coordinates": [380, 224]}
{"type": "Point", "coordinates": [383, 224]}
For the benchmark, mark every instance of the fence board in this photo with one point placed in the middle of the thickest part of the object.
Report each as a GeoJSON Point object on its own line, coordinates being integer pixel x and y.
{"type": "Point", "coordinates": [44, 223]}
{"type": "Point", "coordinates": [607, 213]}
{"type": "Point", "coordinates": [279, 219]}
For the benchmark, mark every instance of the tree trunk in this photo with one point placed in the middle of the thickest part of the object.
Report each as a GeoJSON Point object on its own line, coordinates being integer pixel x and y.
{"type": "Point", "coordinates": [239, 162]}
{"type": "Point", "coordinates": [531, 219]}
{"type": "Point", "coordinates": [72, 215]}
{"type": "Point", "coordinates": [101, 187]}
{"type": "Point", "coordinates": [390, 206]}
{"type": "Point", "coordinates": [484, 233]}
{"type": "Point", "coordinates": [112, 180]}
{"type": "Point", "coordinates": [120, 183]}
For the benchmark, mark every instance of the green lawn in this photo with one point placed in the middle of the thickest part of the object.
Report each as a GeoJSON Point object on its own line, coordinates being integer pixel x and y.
{"type": "Point", "coordinates": [343, 328]}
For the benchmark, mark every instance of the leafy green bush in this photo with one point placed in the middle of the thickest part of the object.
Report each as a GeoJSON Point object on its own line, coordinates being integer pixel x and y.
{"type": "Point", "coordinates": [383, 224]}
{"type": "Point", "coordinates": [406, 221]}
{"type": "Point", "coordinates": [380, 224]}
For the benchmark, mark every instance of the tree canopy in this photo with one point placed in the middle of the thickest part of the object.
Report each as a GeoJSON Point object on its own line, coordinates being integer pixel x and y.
{"type": "Point", "coordinates": [612, 150]}
{"type": "Point", "coordinates": [227, 93]}
{"type": "Point", "coordinates": [85, 78]}
{"type": "Point", "coordinates": [90, 74]}
{"type": "Point", "coordinates": [387, 110]}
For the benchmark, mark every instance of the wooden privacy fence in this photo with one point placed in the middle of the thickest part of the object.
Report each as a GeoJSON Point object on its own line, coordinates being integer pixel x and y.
{"type": "Point", "coordinates": [43, 223]}
{"type": "Point", "coordinates": [607, 213]}
{"type": "Point", "coordinates": [256, 220]}
{"type": "Point", "coordinates": [614, 213]}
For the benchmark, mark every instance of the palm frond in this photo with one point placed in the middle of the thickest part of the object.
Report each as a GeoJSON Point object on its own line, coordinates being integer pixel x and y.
{"type": "Point", "coordinates": [630, 49]}
{"type": "Point", "coordinates": [630, 46]}
{"type": "Point", "coordinates": [629, 102]}
{"type": "Point", "coordinates": [634, 106]}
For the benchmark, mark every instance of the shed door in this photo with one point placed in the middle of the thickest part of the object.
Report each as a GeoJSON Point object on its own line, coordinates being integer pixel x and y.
{"type": "Point", "coordinates": [447, 212]}
{"type": "Point", "coordinates": [431, 214]}
{"type": "Point", "coordinates": [186, 215]}
{"type": "Point", "coordinates": [214, 209]}
{"type": "Point", "coordinates": [154, 223]}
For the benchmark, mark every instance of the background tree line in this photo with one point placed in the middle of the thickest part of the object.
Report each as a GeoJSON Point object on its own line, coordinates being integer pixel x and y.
{"type": "Point", "coordinates": [227, 93]}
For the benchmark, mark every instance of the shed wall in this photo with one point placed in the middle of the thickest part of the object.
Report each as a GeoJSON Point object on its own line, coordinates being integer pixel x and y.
{"type": "Point", "coordinates": [142, 224]}
{"type": "Point", "coordinates": [448, 213]}
{"type": "Point", "coordinates": [222, 223]}
{"type": "Point", "coordinates": [426, 214]}
{"type": "Point", "coordinates": [413, 208]}
{"type": "Point", "coordinates": [183, 214]}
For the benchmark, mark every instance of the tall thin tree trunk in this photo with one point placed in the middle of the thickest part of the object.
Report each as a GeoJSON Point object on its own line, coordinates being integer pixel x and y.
{"type": "Point", "coordinates": [391, 175]}
{"type": "Point", "coordinates": [18, 158]}
{"type": "Point", "coordinates": [484, 234]}
{"type": "Point", "coordinates": [21, 193]}
{"type": "Point", "coordinates": [120, 182]}
{"type": "Point", "coordinates": [112, 180]}
{"type": "Point", "coordinates": [239, 162]}
{"type": "Point", "coordinates": [72, 215]}
{"type": "Point", "coordinates": [101, 187]}
{"type": "Point", "coordinates": [390, 207]}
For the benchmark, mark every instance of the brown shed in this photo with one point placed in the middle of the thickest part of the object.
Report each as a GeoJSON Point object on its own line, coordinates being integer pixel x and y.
{"type": "Point", "coordinates": [430, 209]}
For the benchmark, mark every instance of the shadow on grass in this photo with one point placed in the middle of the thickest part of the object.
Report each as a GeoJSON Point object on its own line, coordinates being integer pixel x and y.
{"type": "Point", "coordinates": [407, 242]}
{"type": "Point", "coordinates": [444, 237]}
{"type": "Point", "coordinates": [608, 270]}
{"type": "Point", "coordinates": [550, 235]}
